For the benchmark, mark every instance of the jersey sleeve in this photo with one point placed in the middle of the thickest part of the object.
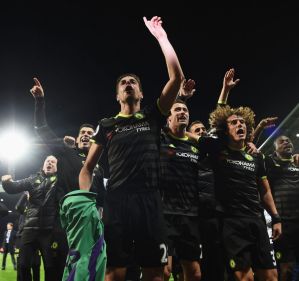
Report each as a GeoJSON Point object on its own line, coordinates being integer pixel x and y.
{"type": "Point", "coordinates": [13, 187]}
{"type": "Point", "coordinates": [99, 135]}
{"type": "Point", "coordinates": [42, 129]}
{"type": "Point", "coordinates": [155, 113]}
{"type": "Point", "coordinates": [261, 173]}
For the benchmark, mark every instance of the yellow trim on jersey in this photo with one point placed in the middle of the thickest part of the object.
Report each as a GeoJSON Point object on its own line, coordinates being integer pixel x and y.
{"type": "Point", "coordinates": [160, 109]}
{"type": "Point", "coordinates": [123, 115]}
{"type": "Point", "coordinates": [287, 159]}
{"type": "Point", "coordinates": [185, 138]}
{"type": "Point", "coordinates": [264, 177]}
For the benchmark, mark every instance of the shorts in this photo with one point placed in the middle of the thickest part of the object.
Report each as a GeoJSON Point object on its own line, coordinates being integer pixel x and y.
{"type": "Point", "coordinates": [247, 244]}
{"type": "Point", "coordinates": [183, 237]}
{"type": "Point", "coordinates": [287, 246]}
{"type": "Point", "coordinates": [134, 229]}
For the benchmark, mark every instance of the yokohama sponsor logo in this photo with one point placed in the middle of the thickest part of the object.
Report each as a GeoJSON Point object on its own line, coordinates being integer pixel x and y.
{"type": "Point", "coordinates": [246, 165]}
{"type": "Point", "coordinates": [293, 169]}
{"type": "Point", "coordinates": [142, 126]}
{"type": "Point", "coordinates": [192, 157]}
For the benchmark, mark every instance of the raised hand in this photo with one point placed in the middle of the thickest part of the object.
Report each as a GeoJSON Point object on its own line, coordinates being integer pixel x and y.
{"type": "Point", "coordinates": [228, 84]}
{"type": "Point", "coordinates": [276, 231]}
{"type": "Point", "coordinates": [187, 89]}
{"type": "Point", "coordinates": [228, 80]}
{"type": "Point", "coordinates": [267, 122]}
{"type": "Point", "coordinates": [296, 159]}
{"type": "Point", "coordinates": [251, 148]}
{"type": "Point", "coordinates": [37, 90]}
{"type": "Point", "coordinates": [6, 178]}
{"type": "Point", "coordinates": [155, 27]}
{"type": "Point", "coordinates": [69, 141]}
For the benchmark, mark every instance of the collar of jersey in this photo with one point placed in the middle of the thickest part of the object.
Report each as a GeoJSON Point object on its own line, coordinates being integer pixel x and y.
{"type": "Point", "coordinates": [234, 149]}
{"type": "Point", "coordinates": [123, 115]}
{"type": "Point", "coordinates": [185, 138]}
{"type": "Point", "coordinates": [286, 159]}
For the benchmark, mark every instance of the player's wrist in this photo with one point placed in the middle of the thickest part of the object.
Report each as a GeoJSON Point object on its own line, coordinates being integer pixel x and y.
{"type": "Point", "coordinates": [275, 219]}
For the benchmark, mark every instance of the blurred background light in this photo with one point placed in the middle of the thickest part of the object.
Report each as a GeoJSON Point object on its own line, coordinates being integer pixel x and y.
{"type": "Point", "coordinates": [13, 145]}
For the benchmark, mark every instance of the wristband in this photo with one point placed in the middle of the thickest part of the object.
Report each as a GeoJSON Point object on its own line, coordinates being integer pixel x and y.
{"type": "Point", "coordinates": [276, 219]}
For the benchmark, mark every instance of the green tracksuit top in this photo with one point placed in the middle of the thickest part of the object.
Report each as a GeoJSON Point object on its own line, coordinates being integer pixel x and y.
{"type": "Point", "coordinates": [86, 260]}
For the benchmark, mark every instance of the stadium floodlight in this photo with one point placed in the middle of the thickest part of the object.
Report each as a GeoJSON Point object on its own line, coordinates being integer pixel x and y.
{"type": "Point", "coordinates": [297, 135]}
{"type": "Point", "coordinates": [13, 145]}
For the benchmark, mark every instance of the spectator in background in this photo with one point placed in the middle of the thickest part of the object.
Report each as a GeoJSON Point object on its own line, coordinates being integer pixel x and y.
{"type": "Point", "coordinates": [8, 245]}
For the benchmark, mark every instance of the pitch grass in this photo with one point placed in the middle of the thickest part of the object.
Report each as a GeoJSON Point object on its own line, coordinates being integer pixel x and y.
{"type": "Point", "coordinates": [9, 274]}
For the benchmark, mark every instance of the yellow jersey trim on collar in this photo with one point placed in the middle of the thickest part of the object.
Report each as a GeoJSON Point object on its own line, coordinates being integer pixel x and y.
{"type": "Point", "coordinates": [287, 159]}
{"type": "Point", "coordinates": [185, 138]}
{"type": "Point", "coordinates": [123, 115]}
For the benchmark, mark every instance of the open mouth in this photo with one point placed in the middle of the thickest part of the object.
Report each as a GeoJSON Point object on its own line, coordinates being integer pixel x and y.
{"type": "Point", "coordinates": [182, 119]}
{"type": "Point", "coordinates": [288, 147]}
{"type": "Point", "coordinates": [128, 89]}
{"type": "Point", "coordinates": [240, 132]}
{"type": "Point", "coordinates": [85, 140]}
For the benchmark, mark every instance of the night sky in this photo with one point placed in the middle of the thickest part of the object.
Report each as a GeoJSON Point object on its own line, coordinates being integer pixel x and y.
{"type": "Point", "coordinates": [78, 50]}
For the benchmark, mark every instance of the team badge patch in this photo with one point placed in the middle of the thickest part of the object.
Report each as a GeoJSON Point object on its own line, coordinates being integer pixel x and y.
{"type": "Point", "coordinates": [194, 149]}
{"type": "Point", "coordinates": [248, 157]}
{"type": "Point", "coordinates": [278, 255]}
{"type": "Point", "coordinates": [54, 245]}
{"type": "Point", "coordinates": [232, 263]}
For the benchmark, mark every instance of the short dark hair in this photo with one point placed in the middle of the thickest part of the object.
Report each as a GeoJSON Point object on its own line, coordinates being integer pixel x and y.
{"type": "Point", "coordinates": [178, 100]}
{"type": "Point", "coordinates": [195, 122]}
{"type": "Point", "coordinates": [87, 125]}
{"type": "Point", "coordinates": [279, 137]}
{"type": "Point", "coordinates": [128, 74]}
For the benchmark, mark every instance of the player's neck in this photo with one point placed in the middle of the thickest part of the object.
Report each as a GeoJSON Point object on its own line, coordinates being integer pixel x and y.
{"type": "Point", "coordinates": [178, 132]}
{"type": "Point", "coordinates": [284, 156]}
{"type": "Point", "coordinates": [236, 145]}
{"type": "Point", "coordinates": [129, 108]}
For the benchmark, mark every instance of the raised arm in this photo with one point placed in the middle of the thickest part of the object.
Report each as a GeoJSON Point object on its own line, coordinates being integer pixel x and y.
{"type": "Point", "coordinates": [228, 84]}
{"type": "Point", "coordinates": [264, 123]}
{"type": "Point", "coordinates": [39, 110]}
{"type": "Point", "coordinates": [85, 176]}
{"type": "Point", "coordinates": [40, 121]}
{"type": "Point", "coordinates": [171, 89]}
{"type": "Point", "coordinates": [13, 187]}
